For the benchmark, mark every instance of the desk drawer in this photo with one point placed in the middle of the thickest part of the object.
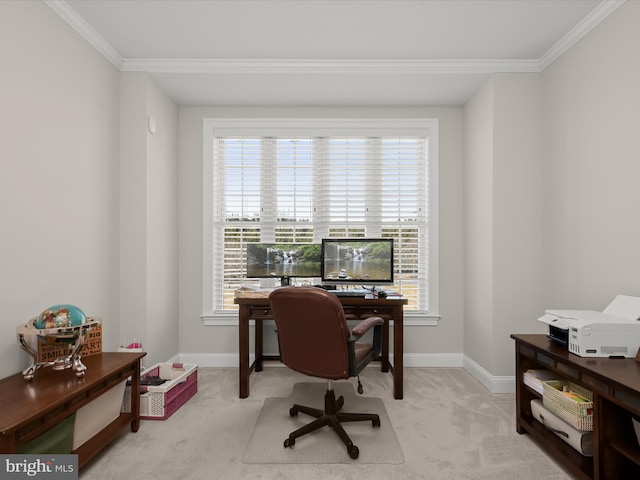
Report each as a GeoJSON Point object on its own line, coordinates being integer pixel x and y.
{"type": "Point", "coordinates": [260, 313]}
{"type": "Point", "coordinates": [382, 312]}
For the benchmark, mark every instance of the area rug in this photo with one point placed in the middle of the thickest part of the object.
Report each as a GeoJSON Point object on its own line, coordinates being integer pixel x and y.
{"type": "Point", "coordinates": [266, 444]}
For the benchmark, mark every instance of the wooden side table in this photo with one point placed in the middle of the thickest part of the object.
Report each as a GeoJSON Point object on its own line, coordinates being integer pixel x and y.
{"type": "Point", "coordinates": [31, 407]}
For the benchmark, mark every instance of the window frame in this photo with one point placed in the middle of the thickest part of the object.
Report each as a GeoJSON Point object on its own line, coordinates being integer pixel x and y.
{"type": "Point", "coordinates": [213, 127]}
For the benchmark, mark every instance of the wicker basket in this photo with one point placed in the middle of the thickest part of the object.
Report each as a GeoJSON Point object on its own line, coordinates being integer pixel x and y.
{"type": "Point", "coordinates": [578, 414]}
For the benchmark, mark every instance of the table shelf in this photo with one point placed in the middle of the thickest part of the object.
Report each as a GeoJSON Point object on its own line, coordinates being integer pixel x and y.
{"type": "Point", "coordinates": [615, 384]}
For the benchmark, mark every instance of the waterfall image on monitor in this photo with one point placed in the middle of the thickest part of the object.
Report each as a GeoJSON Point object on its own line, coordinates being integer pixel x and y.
{"type": "Point", "coordinates": [357, 261]}
{"type": "Point", "coordinates": [283, 260]}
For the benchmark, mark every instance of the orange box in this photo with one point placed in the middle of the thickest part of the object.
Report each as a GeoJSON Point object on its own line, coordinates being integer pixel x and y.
{"type": "Point", "coordinates": [48, 352]}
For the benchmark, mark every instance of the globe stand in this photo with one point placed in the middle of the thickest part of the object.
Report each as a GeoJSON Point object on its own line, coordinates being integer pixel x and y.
{"type": "Point", "coordinates": [75, 336]}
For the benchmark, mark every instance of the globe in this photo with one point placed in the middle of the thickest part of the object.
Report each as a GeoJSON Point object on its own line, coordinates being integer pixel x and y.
{"type": "Point", "coordinates": [60, 316]}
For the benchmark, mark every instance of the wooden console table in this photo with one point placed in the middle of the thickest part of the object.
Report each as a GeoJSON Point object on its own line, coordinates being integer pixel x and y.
{"type": "Point", "coordinates": [615, 384]}
{"type": "Point", "coordinates": [31, 407]}
{"type": "Point", "coordinates": [356, 308]}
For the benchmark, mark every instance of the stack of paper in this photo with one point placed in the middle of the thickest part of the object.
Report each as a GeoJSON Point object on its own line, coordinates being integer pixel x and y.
{"type": "Point", "coordinates": [534, 378]}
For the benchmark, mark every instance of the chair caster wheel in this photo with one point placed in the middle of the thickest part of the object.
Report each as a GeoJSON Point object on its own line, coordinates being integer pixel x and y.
{"type": "Point", "coordinates": [293, 412]}
{"type": "Point", "coordinates": [353, 451]}
{"type": "Point", "coordinates": [289, 442]}
{"type": "Point", "coordinates": [376, 422]}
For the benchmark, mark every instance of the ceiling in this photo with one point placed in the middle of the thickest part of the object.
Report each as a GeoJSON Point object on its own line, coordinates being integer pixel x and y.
{"type": "Point", "coordinates": [330, 52]}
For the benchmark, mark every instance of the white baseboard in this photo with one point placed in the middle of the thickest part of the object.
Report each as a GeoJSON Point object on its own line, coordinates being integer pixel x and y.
{"type": "Point", "coordinates": [495, 384]}
{"type": "Point", "coordinates": [212, 359]}
{"type": "Point", "coordinates": [432, 359]}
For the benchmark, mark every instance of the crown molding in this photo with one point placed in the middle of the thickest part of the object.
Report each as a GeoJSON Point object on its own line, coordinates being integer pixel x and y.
{"type": "Point", "coordinates": [602, 11]}
{"type": "Point", "coordinates": [314, 66]}
{"type": "Point", "coordinates": [63, 9]}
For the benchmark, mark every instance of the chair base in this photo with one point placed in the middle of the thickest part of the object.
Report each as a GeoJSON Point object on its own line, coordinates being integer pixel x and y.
{"type": "Point", "coordinates": [331, 417]}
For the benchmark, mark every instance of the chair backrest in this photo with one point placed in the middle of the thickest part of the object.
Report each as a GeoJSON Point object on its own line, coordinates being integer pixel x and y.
{"type": "Point", "coordinates": [312, 331]}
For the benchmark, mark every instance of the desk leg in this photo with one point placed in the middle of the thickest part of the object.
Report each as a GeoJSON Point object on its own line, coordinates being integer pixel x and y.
{"type": "Point", "coordinates": [398, 354]}
{"type": "Point", "coordinates": [135, 397]}
{"type": "Point", "coordinates": [243, 349]}
{"type": "Point", "coordinates": [384, 360]}
{"type": "Point", "coordinates": [259, 335]}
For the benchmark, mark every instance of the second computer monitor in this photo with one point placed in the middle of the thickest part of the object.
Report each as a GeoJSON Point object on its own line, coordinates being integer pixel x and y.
{"type": "Point", "coordinates": [357, 261]}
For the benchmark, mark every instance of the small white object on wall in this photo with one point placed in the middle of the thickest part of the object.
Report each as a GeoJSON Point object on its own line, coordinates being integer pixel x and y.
{"type": "Point", "coordinates": [151, 124]}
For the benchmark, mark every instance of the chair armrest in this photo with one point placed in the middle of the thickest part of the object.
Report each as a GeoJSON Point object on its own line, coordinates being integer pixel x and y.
{"type": "Point", "coordinates": [358, 331]}
{"type": "Point", "coordinates": [365, 325]}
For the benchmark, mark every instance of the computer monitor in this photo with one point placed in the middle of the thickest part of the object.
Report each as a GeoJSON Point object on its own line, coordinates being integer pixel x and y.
{"type": "Point", "coordinates": [357, 261]}
{"type": "Point", "coordinates": [283, 260]}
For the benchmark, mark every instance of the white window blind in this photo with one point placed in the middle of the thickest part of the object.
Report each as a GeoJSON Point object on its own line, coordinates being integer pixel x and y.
{"type": "Point", "coordinates": [286, 185]}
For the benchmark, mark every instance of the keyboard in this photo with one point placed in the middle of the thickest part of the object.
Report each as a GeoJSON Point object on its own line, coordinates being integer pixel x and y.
{"type": "Point", "coordinates": [351, 292]}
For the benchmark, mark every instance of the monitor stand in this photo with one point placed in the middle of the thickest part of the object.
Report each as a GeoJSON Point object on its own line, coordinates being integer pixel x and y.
{"type": "Point", "coordinates": [285, 281]}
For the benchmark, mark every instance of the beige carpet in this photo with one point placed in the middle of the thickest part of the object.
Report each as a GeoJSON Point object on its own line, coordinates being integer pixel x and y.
{"type": "Point", "coordinates": [448, 425]}
{"type": "Point", "coordinates": [376, 445]}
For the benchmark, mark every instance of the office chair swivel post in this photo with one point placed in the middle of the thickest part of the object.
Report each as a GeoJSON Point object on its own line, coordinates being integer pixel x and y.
{"type": "Point", "coordinates": [331, 417]}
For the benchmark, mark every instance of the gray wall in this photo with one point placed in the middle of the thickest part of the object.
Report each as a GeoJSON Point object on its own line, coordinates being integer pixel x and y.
{"type": "Point", "coordinates": [87, 219]}
{"type": "Point", "coordinates": [591, 166]}
{"type": "Point", "coordinates": [59, 169]}
{"type": "Point", "coordinates": [551, 167]}
{"type": "Point", "coordinates": [148, 193]}
{"type": "Point", "coordinates": [503, 246]}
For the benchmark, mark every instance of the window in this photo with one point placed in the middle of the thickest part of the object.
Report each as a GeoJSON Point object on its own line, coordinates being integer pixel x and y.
{"type": "Point", "coordinates": [303, 180]}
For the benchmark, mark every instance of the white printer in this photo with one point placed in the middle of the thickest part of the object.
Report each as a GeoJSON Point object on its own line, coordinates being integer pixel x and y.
{"type": "Point", "coordinates": [614, 332]}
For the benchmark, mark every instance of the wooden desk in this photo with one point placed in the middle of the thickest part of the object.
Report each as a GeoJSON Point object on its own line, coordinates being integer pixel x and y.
{"type": "Point", "coordinates": [355, 308]}
{"type": "Point", "coordinates": [615, 384]}
{"type": "Point", "coordinates": [31, 407]}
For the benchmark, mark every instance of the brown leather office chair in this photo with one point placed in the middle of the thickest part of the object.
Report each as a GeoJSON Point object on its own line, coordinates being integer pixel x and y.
{"type": "Point", "coordinates": [315, 340]}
